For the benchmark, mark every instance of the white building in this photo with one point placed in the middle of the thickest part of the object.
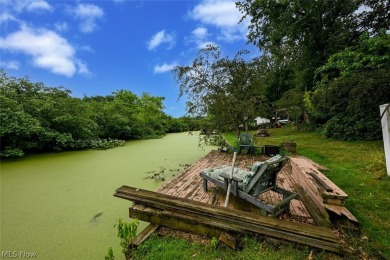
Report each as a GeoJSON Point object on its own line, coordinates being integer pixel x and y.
{"type": "Point", "coordinates": [262, 120]}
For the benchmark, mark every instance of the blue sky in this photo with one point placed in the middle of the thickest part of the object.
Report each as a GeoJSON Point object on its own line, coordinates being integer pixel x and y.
{"type": "Point", "coordinates": [98, 47]}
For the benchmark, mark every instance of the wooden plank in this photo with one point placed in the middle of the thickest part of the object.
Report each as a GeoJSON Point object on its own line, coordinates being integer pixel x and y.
{"type": "Point", "coordinates": [227, 240]}
{"type": "Point", "coordinates": [340, 210]}
{"type": "Point", "coordinates": [172, 209]}
{"type": "Point", "coordinates": [203, 225]}
{"type": "Point", "coordinates": [173, 220]}
{"type": "Point", "coordinates": [311, 199]}
{"type": "Point", "coordinates": [166, 201]}
{"type": "Point", "coordinates": [321, 181]}
{"type": "Point", "coordinates": [307, 166]}
{"type": "Point", "coordinates": [336, 202]}
{"type": "Point", "coordinates": [144, 234]}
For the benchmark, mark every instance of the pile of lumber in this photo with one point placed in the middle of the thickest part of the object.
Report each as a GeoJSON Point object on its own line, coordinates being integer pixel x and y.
{"type": "Point", "coordinates": [319, 194]}
{"type": "Point", "coordinates": [196, 217]}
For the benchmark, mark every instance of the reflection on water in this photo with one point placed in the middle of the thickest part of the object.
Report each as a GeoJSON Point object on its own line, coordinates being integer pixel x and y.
{"type": "Point", "coordinates": [61, 206]}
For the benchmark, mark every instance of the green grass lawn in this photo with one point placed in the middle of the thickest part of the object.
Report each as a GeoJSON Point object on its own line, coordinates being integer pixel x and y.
{"type": "Point", "coordinates": [358, 168]}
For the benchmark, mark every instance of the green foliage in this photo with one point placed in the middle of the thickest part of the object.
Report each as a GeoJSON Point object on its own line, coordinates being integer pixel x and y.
{"type": "Point", "coordinates": [37, 118]}
{"type": "Point", "coordinates": [305, 32]}
{"type": "Point", "coordinates": [110, 254]}
{"type": "Point", "coordinates": [350, 89]}
{"type": "Point", "coordinates": [224, 90]}
{"type": "Point", "coordinates": [292, 104]}
{"type": "Point", "coordinates": [319, 47]}
{"type": "Point", "coordinates": [372, 53]}
{"type": "Point", "coordinates": [127, 231]}
{"type": "Point", "coordinates": [214, 242]}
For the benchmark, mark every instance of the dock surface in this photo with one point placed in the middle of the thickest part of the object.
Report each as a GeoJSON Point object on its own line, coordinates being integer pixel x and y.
{"type": "Point", "coordinates": [182, 204]}
{"type": "Point", "coordinates": [188, 184]}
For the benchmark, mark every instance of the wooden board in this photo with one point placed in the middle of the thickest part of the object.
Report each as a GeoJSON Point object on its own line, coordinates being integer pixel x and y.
{"type": "Point", "coordinates": [144, 234]}
{"type": "Point", "coordinates": [320, 184]}
{"type": "Point", "coordinates": [162, 209]}
{"type": "Point", "coordinates": [309, 195]}
{"type": "Point", "coordinates": [341, 211]}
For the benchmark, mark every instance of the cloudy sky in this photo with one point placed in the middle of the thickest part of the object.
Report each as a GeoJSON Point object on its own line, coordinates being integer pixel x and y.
{"type": "Point", "coordinates": [98, 47]}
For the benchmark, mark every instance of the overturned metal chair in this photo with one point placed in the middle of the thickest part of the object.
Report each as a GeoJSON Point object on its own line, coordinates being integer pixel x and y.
{"type": "Point", "coordinates": [248, 185]}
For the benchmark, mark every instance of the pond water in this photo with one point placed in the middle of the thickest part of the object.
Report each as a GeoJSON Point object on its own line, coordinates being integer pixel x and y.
{"type": "Point", "coordinates": [61, 205]}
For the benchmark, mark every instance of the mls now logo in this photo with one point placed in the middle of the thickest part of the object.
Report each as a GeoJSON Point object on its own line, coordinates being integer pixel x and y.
{"type": "Point", "coordinates": [15, 254]}
{"type": "Point", "coordinates": [9, 254]}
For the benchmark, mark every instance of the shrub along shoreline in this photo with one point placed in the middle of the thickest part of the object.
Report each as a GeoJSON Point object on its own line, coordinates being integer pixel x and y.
{"type": "Point", "coordinates": [37, 118]}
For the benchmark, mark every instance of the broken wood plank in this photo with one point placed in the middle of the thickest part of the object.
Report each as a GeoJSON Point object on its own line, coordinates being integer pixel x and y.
{"type": "Point", "coordinates": [312, 200]}
{"type": "Point", "coordinates": [341, 211]}
{"type": "Point", "coordinates": [143, 235]}
{"type": "Point", "coordinates": [321, 181]}
{"type": "Point", "coordinates": [186, 214]}
{"type": "Point", "coordinates": [227, 240]}
{"type": "Point", "coordinates": [306, 166]}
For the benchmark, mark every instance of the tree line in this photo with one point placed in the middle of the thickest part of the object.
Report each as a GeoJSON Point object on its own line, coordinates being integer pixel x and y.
{"type": "Point", "coordinates": [39, 118]}
{"type": "Point", "coordinates": [324, 64]}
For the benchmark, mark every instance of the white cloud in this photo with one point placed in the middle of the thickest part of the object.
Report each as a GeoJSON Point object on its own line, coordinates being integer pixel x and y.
{"type": "Point", "coordinates": [164, 67]}
{"type": "Point", "coordinates": [11, 64]}
{"type": "Point", "coordinates": [48, 50]}
{"type": "Point", "coordinates": [161, 37]}
{"type": "Point", "coordinates": [200, 33]}
{"type": "Point", "coordinates": [83, 69]}
{"type": "Point", "coordinates": [38, 5]}
{"type": "Point", "coordinates": [86, 48]}
{"type": "Point", "coordinates": [224, 15]}
{"type": "Point", "coordinates": [61, 26]}
{"type": "Point", "coordinates": [5, 17]}
{"type": "Point", "coordinates": [200, 37]}
{"type": "Point", "coordinates": [29, 5]}
{"type": "Point", "coordinates": [221, 13]}
{"type": "Point", "coordinates": [87, 14]}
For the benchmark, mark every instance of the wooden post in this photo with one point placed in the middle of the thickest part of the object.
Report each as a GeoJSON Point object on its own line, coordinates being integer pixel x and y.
{"type": "Point", "coordinates": [230, 180]}
{"type": "Point", "coordinates": [385, 121]}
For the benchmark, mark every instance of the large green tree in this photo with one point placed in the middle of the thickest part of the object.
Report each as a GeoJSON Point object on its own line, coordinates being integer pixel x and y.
{"type": "Point", "coordinates": [222, 89]}
{"type": "Point", "coordinates": [309, 32]}
{"type": "Point", "coordinates": [350, 87]}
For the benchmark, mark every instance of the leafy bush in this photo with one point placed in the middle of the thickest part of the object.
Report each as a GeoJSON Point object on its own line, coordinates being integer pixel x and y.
{"type": "Point", "coordinates": [351, 87]}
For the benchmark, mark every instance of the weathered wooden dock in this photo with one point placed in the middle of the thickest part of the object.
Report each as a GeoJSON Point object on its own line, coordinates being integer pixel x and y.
{"type": "Point", "coordinates": [189, 185]}
{"type": "Point", "coordinates": [181, 203]}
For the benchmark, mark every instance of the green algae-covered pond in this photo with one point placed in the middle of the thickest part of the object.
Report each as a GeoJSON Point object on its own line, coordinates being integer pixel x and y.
{"type": "Point", "coordinates": [61, 205]}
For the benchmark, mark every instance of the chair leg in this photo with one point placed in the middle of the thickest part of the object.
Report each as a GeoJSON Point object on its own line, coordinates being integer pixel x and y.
{"type": "Point", "coordinates": [204, 184]}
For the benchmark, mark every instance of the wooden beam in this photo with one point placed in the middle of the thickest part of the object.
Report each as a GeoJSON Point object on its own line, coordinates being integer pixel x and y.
{"type": "Point", "coordinates": [189, 215]}
{"type": "Point", "coordinates": [144, 234]}
{"type": "Point", "coordinates": [173, 220]}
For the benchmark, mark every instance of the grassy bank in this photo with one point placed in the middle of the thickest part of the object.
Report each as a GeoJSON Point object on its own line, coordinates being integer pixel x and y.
{"type": "Point", "coordinates": [356, 167]}
{"type": "Point", "coordinates": [359, 169]}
